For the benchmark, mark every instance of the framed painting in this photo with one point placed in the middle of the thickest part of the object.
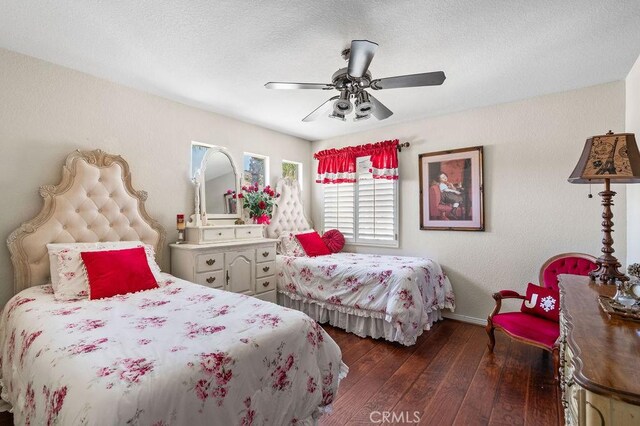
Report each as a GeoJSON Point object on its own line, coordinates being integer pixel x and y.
{"type": "Point", "coordinates": [451, 190]}
{"type": "Point", "coordinates": [230, 204]}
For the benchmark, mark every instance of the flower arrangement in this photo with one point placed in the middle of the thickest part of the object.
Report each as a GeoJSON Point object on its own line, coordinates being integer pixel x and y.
{"type": "Point", "coordinates": [259, 202]}
{"type": "Point", "coordinates": [634, 270]}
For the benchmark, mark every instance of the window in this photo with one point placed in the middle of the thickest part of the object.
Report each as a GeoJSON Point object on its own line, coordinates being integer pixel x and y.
{"type": "Point", "coordinates": [255, 170]}
{"type": "Point", "coordinates": [366, 211]}
{"type": "Point", "coordinates": [292, 170]}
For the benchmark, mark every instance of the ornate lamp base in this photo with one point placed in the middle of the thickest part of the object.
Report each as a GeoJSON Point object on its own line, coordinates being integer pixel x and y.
{"type": "Point", "coordinates": [607, 272]}
{"type": "Point", "coordinates": [608, 264]}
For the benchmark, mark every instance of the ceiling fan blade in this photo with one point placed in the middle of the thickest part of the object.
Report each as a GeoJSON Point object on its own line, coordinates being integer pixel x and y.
{"type": "Point", "coordinates": [379, 110]}
{"type": "Point", "coordinates": [413, 80]}
{"type": "Point", "coordinates": [280, 85]}
{"type": "Point", "coordinates": [362, 52]}
{"type": "Point", "coordinates": [321, 110]}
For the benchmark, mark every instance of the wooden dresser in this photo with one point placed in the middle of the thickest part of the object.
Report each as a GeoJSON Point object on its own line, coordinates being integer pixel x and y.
{"type": "Point", "coordinates": [244, 266]}
{"type": "Point", "coordinates": [599, 358]}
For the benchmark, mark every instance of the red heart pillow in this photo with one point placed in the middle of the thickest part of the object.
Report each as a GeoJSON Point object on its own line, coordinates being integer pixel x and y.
{"type": "Point", "coordinates": [542, 302]}
{"type": "Point", "coordinates": [334, 240]}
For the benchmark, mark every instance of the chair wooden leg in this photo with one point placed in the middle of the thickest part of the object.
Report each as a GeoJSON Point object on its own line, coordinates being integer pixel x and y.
{"type": "Point", "coordinates": [492, 337]}
{"type": "Point", "coordinates": [556, 363]}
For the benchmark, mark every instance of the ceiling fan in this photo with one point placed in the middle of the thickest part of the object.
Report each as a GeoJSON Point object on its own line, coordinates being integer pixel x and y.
{"type": "Point", "coordinates": [352, 81]}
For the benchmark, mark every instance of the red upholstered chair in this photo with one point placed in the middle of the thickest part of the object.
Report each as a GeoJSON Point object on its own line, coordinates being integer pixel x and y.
{"type": "Point", "coordinates": [436, 208]}
{"type": "Point", "coordinates": [531, 329]}
{"type": "Point", "coordinates": [566, 263]}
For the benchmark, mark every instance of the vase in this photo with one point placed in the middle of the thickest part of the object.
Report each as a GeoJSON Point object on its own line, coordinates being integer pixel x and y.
{"type": "Point", "coordinates": [623, 295]}
{"type": "Point", "coordinates": [262, 220]}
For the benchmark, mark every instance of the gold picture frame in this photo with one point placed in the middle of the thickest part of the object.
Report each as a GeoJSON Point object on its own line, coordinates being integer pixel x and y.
{"type": "Point", "coordinates": [452, 190]}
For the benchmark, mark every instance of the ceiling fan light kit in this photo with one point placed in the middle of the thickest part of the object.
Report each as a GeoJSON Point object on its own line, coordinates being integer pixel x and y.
{"type": "Point", "coordinates": [361, 117]}
{"type": "Point", "coordinates": [364, 107]}
{"type": "Point", "coordinates": [338, 116]}
{"type": "Point", "coordinates": [343, 105]}
{"type": "Point", "coordinates": [352, 81]}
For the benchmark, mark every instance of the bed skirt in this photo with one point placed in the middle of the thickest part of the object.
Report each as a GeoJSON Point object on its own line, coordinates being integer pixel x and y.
{"type": "Point", "coordinates": [359, 325]}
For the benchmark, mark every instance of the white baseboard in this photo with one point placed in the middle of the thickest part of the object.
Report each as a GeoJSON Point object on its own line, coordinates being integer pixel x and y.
{"type": "Point", "coordinates": [464, 318]}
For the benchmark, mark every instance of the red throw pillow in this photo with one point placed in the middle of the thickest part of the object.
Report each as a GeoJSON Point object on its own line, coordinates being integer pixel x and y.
{"type": "Point", "coordinates": [113, 272]}
{"type": "Point", "coordinates": [312, 244]}
{"type": "Point", "coordinates": [334, 240]}
{"type": "Point", "coordinates": [542, 302]}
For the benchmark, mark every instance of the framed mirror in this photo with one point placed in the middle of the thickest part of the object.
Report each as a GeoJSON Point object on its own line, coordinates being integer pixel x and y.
{"type": "Point", "coordinates": [216, 177]}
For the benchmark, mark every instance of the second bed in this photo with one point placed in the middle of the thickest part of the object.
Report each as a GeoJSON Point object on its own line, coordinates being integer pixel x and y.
{"type": "Point", "coordinates": [390, 297]}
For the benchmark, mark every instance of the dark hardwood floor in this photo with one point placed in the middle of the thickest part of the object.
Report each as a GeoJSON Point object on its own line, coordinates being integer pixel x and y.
{"type": "Point", "coordinates": [447, 378]}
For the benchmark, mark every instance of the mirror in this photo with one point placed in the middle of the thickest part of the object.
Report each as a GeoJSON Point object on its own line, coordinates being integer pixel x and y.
{"type": "Point", "coordinates": [215, 173]}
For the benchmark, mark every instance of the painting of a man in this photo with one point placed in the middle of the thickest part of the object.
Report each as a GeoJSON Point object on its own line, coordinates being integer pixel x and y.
{"type": "Point", "coordinates": [450, 180]}
{"type": "Point", "coordinates": [451, 188]}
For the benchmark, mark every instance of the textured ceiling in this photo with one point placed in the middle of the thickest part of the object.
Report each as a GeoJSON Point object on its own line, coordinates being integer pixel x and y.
{"type": "Point", "coordinates": [218, 54]}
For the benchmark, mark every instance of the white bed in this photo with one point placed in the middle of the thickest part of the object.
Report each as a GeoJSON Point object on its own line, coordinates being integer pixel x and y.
{"type": "Point", "coordinates": [178, 354]}
{"type": "Point", "coordinates": [392, 297]}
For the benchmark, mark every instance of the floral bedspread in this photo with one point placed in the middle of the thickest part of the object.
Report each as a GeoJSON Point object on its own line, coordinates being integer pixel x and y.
{"type": "Point", "coordinates": [182, 354]}
{"type": "Point", "coordinates": [401, 290]}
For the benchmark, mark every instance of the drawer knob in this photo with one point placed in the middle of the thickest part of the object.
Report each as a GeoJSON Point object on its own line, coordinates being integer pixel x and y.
{"type": "Point", "coordinates": [211, 262]}
{"type": "Point", "coordinates": [265, 269]}
{"type": "Point", "coordinates": [249, 232]}
{"type": "Point", "coordinates": [211, 279]}
{"type": "Point", "coordinates": [219, 233]}
{"type": "Point", "coordinates": [266, 284]}
{"type": "Point", "coordinates": [265, 253]}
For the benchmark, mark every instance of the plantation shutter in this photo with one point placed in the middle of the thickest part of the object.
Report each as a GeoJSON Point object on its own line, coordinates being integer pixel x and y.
{"type": "Point", "coordinates": [376, 205]}
{"type": "Point", "coordinates": [339, 208]}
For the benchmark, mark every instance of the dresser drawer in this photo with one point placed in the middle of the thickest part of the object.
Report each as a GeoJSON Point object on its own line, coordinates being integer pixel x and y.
{"type": "Point", "coordinates": [268, 296]}
{"type": "Point", "coordinates": [265, 269]}
{"type": "Point", "coordinates": [218, 234]}
{"type": "Point", "coordinates": [209, 262]}
{"type": "Point", "coordinates": [267, 254]}
{"type": "Point", "coordinates": [249, 232]}
{"type": "Point", "coordinates": [265, 284]}
{"type": "Point", "coordinates": [214, 279]}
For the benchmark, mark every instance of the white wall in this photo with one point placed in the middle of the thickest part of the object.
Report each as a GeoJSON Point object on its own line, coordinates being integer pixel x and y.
{"type": "Point", "coordinates": [531, 211]}
{"type": "Point", "coordinates": [633, 191]}
{"type": "Point", "coordinates": [47, 111]}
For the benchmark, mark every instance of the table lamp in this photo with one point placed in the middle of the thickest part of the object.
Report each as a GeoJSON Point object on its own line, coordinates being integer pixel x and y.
{"type": "Point", "coordinates": [610, 158]}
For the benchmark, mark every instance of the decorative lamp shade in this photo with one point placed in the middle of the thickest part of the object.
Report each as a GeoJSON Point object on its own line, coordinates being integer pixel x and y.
{"type": "Point", "coordinates": [610, 156]}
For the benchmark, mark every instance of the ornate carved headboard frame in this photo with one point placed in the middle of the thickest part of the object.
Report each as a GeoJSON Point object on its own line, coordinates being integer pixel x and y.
{"type": "Point", "coordinates": [288, 213]}
{"type": "Point", "coordinates": [93, 202]}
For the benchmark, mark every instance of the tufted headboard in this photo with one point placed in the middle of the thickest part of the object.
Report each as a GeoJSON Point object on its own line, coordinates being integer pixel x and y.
{"type": "Point", "coordinates": [93, 202]}
{"type": "Point", "coordinates": [288, 213]}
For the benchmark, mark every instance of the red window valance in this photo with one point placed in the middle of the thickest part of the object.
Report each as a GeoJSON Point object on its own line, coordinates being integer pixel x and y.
{"type": "Point", "coordinates": [339, 165]}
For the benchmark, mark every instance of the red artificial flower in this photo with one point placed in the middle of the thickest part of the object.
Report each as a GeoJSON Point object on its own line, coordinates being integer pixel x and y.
{"type": "Point", "coordinates": [262, 205]}
{"type": "Point", "coordinates": [240, 196]}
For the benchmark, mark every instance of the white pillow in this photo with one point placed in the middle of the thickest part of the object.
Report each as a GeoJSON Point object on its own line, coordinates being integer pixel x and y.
{"type": "Point", "coordinates": [53, 257]}
{"type": "Point", "coordinates": [290, 246]}
{"type": "Point", "coordinates": [68, 268]}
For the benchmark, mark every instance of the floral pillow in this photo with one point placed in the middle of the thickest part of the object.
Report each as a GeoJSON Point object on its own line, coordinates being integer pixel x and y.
{"type": "Point", "coordinates": [290, 246]}
{"type": "Point", "coordinates": [72, 277]}
{"type": "Point", "coordinates": [53, 258]}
